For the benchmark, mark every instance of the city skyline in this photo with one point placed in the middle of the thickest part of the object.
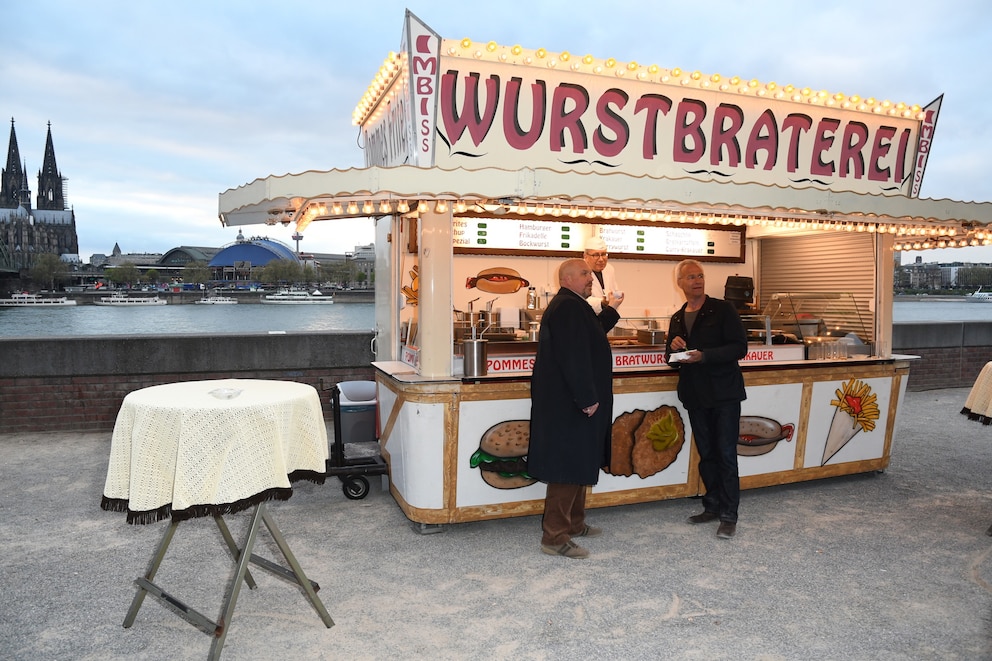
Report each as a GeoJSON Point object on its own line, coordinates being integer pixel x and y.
{"type": "Point", "coordinates": [153, 119]}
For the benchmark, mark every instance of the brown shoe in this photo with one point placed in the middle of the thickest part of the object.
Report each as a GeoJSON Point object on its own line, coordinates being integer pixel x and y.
{"type": "Point", "coordinates": [726, 530]}
{"type": "Point", "coordinates": [705, 517]}
{"type": "Point", "coordinates": [589, 531]}
{"type": "Point", "coordinates": [569, 549]}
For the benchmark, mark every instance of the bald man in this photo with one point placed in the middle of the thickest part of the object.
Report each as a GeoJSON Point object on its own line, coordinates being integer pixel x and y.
{"type": "Point", "coordinates": [571, 408]}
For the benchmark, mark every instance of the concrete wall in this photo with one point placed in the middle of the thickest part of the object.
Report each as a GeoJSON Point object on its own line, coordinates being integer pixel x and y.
{"type": "Point", "coordinates": [66, 384]}
{"type": "Point", "coordinates": [951, 353]}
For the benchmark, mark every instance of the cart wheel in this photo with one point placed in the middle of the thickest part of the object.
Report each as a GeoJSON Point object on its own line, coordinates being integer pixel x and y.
{"type": "Point", "coordinates": [355, 487]}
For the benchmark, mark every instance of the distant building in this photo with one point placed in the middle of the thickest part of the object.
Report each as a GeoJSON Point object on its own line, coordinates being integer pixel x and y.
{"type": "Point", "coordinates": [49, 226]}
{"type": "Point", "coordinates": [934, 276]}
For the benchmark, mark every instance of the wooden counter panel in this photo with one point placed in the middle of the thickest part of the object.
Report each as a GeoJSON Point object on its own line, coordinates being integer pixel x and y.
{"type": "Point", "coordinates": [799, 394]}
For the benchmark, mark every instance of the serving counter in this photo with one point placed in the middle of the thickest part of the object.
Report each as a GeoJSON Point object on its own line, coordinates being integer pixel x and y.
{"type": "Point", "coordinates": [802, 420]}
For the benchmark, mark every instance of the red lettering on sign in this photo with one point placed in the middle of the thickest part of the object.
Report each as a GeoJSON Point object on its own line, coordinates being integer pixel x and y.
{"type": "Point", "coordinates": [688, 122]}
{"type": "Point", "coordinates": [826, 131]}
{"type": "Point", "coordinates": [516, 137]}
{"type": "Point", "coordinates": [610, 119]}
{"type": "Point", "coordinates": [567, 105]}
{"type": "Point", "coordinates": [725, 135]}
{"type": "Point", "coordinates": [796, 125]}
{"type": "Point", "coordinates": [764, 137]}
{"type": "Point", "coordinates": [855, 138]}
{"type": "Point", "coordinates": [470, 119]}
{"type": "Point", "coordinates": [652, 104]}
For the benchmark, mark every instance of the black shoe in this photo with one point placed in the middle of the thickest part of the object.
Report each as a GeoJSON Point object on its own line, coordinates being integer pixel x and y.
{"type": "Point", "coordinates": [703, 518]}
{"type": "Point", "coordinates": [726, 530]}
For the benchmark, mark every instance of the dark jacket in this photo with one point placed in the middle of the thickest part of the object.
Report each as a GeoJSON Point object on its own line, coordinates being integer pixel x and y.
{"type": "Point", "coordinates": [572, 371]}
{"type": "Point", "coordinates": [719, 334]}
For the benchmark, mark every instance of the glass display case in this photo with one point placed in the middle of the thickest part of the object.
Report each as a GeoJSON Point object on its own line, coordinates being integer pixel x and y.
{"type": "Point", "coordinates": [813, 317]}
{"type": "Point", "coordinates": [640, 330]}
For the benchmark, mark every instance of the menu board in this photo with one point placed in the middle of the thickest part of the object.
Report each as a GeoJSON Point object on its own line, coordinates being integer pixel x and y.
{"type": "Point", "coordinates": [648, 241]}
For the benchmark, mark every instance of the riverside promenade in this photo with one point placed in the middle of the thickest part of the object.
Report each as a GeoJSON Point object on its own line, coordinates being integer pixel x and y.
{"type": "Point", "coordinates": [893, 566]}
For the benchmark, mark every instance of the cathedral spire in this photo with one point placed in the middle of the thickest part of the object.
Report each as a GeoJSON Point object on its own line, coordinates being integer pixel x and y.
{"type": "Point", "coordinates": [51, 193]}
{"type": "Point", "coordinates": [12, 176]}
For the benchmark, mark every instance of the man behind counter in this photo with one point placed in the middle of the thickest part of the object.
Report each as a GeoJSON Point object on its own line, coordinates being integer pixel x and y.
{"type": "Point", "coordinates": [604, 282]}
{"type": "Point", "coordinates": [707, 338]}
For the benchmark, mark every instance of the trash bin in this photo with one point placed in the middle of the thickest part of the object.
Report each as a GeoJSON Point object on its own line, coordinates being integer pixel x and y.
{"type": "Point", "coordinates": [358, 411]}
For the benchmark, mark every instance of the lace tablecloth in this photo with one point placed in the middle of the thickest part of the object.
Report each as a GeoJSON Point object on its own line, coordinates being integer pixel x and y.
{"type": "Point", "coordinates": [978, 406]}
{"type": "Point", "coordinates": [201, 448]}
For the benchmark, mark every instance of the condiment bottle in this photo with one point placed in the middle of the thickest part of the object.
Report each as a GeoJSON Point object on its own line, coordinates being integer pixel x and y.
{"type": "Point", "coordinates": [531, 298]}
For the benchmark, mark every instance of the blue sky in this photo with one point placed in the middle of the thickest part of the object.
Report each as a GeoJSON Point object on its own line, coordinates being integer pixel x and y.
{"type": "Point", "coordinates": [156, 108]}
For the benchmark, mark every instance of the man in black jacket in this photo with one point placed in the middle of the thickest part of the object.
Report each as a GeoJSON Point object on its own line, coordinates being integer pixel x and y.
{"type": "Point", "coordinates": [571, 407]}
{"type": "Point", "coordinates": [705, 341]}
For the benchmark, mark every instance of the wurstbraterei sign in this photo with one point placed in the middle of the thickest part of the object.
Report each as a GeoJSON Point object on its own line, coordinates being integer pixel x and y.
{"type": "Point", "coordinates": [459, 104]}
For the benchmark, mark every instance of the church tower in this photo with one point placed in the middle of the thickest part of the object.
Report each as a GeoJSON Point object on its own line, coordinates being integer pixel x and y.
{"type": "Point", "coordinates": [25, 232]}
{"type": "Point", "coordinates": [12, 180]}
{"type": "Point", "coordinates": [51, 192]}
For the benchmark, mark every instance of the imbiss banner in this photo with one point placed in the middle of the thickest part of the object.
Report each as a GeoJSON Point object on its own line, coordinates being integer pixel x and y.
{"type": "Point", "coordinates": [475, 112]}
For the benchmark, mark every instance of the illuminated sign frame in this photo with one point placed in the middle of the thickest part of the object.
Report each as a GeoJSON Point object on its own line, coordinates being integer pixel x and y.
{"type": "Point", "coordinates": [484, 234]}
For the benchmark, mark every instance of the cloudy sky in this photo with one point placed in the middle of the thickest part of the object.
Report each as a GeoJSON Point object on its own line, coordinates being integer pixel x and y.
{"type": "Point", "coordinates": [156, 108]}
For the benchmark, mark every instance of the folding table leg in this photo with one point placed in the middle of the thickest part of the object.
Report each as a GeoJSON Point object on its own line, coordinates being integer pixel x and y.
{"type": "Point", "coordinates": [150, 574]}
{"type": "Point", "coordinates": [234, 587]}
{"type": "Point", "coordinates": [233, 546]}
{"type": "Point", "coordinates": [301, 578]}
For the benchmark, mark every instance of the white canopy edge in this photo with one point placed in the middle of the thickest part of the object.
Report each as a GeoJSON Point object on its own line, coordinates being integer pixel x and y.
{"type": "Point", "coordinates": [283, 198]}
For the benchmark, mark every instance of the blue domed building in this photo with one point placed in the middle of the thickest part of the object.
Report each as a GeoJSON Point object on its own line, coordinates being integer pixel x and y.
{"type": "Point", "coordinates": [236, 260]}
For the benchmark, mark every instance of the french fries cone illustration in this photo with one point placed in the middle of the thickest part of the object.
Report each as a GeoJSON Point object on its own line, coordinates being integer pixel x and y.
{"type": "Point", "coordinates": [857, 410]}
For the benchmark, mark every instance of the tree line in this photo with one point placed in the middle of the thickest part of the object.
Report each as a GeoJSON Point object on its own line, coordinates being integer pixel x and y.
{"type": "Point", "coordinates": [49, 271]}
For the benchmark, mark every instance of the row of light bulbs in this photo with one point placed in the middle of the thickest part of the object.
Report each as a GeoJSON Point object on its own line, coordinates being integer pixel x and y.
{"type": "Point", "coordinates": [610, 66]}
{"type": "Point", "coordinates": [951, 243]}
{"type": "Point", "coordinates": [590, 64]}
{"type": "Point", "coordinates": [945, 235]}
{"type": "Point", "coordinates": [383, 79]}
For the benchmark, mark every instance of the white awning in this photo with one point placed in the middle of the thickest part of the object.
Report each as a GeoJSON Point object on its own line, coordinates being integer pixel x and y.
{"type": "Point", "coordinates": [591, 197]}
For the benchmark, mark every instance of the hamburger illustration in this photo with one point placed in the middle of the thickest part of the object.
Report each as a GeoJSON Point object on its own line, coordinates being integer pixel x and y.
{"type": "Point", "coordinates": [502, 455]}
{"type": "Point", "coordinates": [644, 443]}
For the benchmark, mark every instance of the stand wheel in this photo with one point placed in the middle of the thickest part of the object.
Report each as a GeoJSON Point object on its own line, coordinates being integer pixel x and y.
{"type": "Point", "coordinates": [355, 487]}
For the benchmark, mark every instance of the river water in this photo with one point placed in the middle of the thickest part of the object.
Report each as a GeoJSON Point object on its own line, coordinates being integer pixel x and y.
{"type": "Point", "coordinates": [234, 319]}
{"type": "Point", "coordinates": [178, 319]}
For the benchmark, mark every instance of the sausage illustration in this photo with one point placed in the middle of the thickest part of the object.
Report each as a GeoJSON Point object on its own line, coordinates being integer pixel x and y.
{"type": "Point", "coordinates": [758, 435]}
{"type": "Point", "coordinates": [499, 280]}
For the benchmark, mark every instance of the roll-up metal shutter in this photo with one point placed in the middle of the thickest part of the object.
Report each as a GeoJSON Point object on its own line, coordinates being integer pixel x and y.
{"type": "Point", "coordinates": [842, 263]}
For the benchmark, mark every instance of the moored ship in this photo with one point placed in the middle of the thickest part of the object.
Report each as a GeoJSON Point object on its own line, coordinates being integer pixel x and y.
{"type": "Point", "coordinates": [25, 300]}
{"type": "Point", "coordinates": [120, 299]}
{"type": "Point", "coordinates": [296, 297]}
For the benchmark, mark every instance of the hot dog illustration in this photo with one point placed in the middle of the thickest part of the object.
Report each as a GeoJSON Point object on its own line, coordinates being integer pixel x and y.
{"type": "Point", "coordinates": [759, 435]}
{"type": "Point", "coordinates": [499, 280]}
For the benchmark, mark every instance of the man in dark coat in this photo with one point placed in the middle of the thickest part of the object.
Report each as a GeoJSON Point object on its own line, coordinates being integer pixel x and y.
{"type": "Point", "coordinates": [708, 334]}
{"type": "Point", "coordinates": [571, 407]}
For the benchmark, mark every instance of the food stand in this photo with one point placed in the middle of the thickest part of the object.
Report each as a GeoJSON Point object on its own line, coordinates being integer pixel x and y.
{"type": "Point", "coordinates": [487, 165]}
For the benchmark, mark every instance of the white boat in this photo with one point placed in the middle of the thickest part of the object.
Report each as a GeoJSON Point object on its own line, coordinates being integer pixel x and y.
{"type": "Point", "coordinates": [122, 300]}
{"type": "Point", "coordinates": [217, 300]}
{"type": "Point", "coordinates": [25, 300]}
{"type": "Point", "coordinates": [294, 297]}
{"type": "Point", "coordinates": [980, 296]}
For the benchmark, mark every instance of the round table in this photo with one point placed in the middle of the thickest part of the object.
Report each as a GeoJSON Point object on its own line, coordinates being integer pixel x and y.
{"type": "Point", "coordinates": [210, 448]}
{"type": "Point", "coordinates": [199, 448]}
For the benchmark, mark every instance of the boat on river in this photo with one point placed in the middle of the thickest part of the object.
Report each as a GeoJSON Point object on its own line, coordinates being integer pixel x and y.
{"type": "Point", "coordinates": [298, 297]}
{"type": "Point", "coordinates": [122, 300]}
{"type": "Point", "coordinates": [980, 296]}
{"type": "Point", "coordinates": [217, 300]}
{"type": "Point", "coordinates": [25, 300]}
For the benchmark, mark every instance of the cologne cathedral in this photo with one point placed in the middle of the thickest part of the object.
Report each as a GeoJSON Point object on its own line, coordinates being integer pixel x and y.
{"type": "Point", "coordinates": [49, 226]}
